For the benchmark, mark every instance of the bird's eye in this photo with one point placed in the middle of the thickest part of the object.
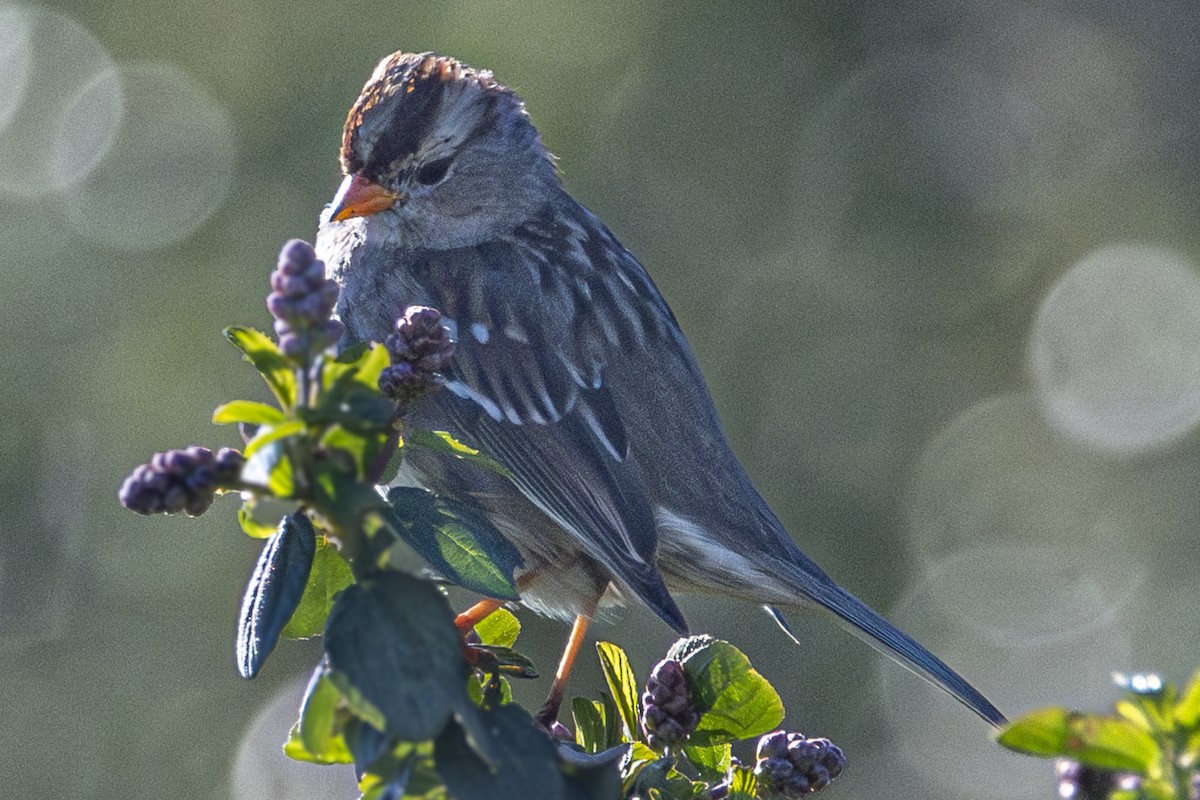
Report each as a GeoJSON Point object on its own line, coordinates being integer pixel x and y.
{"type": "Point", "coordinates": [433, 172]}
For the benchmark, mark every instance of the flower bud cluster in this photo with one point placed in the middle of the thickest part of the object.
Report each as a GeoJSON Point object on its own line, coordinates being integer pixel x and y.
{"type": "Point", "coordinates": [181, 480]}
{"type": "Point", "coordinates": [420, 349]}
{"type": "Point", "coordinates": [790, 765]}
{"type": "Point", "coordinates": [668, 716]}
{"type": "Point", "coordinates": [302, 300]}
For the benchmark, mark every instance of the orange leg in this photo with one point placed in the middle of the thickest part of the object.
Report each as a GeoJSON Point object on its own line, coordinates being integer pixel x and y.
{"type": "Point", "coordinates": [549, 713]}
{"type": "Point", "coordinates": [476, 614]}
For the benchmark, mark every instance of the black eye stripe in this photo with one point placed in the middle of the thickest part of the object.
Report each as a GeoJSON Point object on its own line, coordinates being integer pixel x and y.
{"type": "Point", "coordinates": [433, 172]}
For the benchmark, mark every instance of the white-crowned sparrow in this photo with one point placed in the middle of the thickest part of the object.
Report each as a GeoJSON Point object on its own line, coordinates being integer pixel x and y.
{"type": "Point", "coordinates": [570, 368]}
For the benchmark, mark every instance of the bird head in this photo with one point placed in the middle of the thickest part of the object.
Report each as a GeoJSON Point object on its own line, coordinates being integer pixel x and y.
{"type": "Point", "coordinates": [440, 155]}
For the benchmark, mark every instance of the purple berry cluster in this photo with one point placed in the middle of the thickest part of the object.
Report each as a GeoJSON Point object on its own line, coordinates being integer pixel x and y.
{"type": "Point", "coordinates": [790, 765]}
{"type": "Point", "coordinates": [181, 480]}
{"type": "Point", "coordinates": [668, 716]}
{"type": "Point", "coordinates": [302, 300]}
{"type": "Point", "coordinates": [420, 348]}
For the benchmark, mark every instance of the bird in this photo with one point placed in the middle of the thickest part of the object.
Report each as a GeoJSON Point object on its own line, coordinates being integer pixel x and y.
{"type": "Point", "coordinates": [570, 369]}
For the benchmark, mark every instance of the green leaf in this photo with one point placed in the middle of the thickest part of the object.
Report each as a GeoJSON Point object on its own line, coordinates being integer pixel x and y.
{"type": "Point", "coordinates": [271, 468]}
{"type": "Point", "coordinates": [590, 732]}
{"type": "Point", "coordinates": [335, 753]}
{"type": "Point", "coordinates": [478, 686]}
{"type": "Point", "coordinates": [742, 784]}
{"type": "Point", "coordinates": [734, 700]}
{"type": "Point", "coordinates": [1096, 741]}
{"type": "Point", "coordinates": [252, 526]}
{"type": "Point", "coordinates": [456, 540]}
{"type": "Point", "coordinates": [250, 411]}
{"type": "Point", "coordinates": [329, 575]}
{"type": "Point", "coordinates": [318, 714]}
{"type": "Point", "coordinates": [393, 639]}
{"type": "Point", "coordinates": [277, 371]}
{"type": "Point", "coordinates": [272, 433]}
{"type": "Point", "coordinates": [361, 447]}
{"type": "Point", "coordinates": [1187, 710]}
{"type": "Point", "coordinates": [362, 362]}
{"type": "Point", "coordinates": [624, 687]}
{"type": "Point", "coordinates": [443, 442]}
{"type": "Point", "coordinates": [711, 762]}
{"type": "Point", "coordinates": [500, 628]}
{"type": "Point", "coordinates": [614, 728]}
{"type": "Point", "coordinates": [358, 377]}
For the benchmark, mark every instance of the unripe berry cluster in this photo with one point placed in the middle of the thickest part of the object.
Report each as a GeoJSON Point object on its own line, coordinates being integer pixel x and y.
{"type": "Point", "coordinates": [791, 765]}
{"type": "Point", "coordinates": [302, 300]}
{"type": "Point", "coordinates": [181, 480]}
{"type": "Point", "coordinates": [420, 349]}
{"type": "Point", "coordinates": [668, 716]}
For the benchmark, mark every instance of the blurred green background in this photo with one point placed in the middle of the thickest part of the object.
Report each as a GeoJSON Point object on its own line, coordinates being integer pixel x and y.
{"type": "Point", "coordinates": [937, 259]}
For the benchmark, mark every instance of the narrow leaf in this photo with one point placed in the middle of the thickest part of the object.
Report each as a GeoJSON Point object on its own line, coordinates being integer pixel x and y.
{"type": "Point", "coordinates": [614, 728]}
{"type": "Point", "coordinates": [624, 687]}
{"type": "Point", "coordinates": [248, 411]}
{"type": "Point", "coordinates": [274, 591]}
{"type": "Point", "coordinates": [589, 724]}
{"type": "Point", "coordinates": [742, 784]}
{"type": "Point", "coordinates": [277, 371]}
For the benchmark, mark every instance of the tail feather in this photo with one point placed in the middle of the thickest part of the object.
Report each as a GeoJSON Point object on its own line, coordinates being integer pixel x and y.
{"type": "Point", "coordinates": [861, 620]}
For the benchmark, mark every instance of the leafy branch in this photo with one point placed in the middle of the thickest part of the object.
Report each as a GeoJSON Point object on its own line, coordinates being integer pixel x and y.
{"type": "Point", "coordinates": [420, 707]}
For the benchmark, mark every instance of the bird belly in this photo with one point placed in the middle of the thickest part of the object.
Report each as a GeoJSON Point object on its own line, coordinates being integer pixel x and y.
{"type": "Point", "coordinates": [692, 560]}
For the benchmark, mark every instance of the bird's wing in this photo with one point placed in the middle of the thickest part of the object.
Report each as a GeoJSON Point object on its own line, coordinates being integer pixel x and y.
{"type": "Point", "coordinates": [526, 385]}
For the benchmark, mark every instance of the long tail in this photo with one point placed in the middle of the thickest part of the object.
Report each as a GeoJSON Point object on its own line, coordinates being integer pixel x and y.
{"type": "Point", "coordinates": [861, 620]}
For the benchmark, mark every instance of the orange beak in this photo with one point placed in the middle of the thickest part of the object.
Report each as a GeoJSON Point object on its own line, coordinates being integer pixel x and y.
{"type": "Point", "coordinates": [359, 197]}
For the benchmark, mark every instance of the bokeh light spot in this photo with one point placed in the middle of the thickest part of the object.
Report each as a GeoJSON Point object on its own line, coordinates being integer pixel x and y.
{"type": "Point", "coordinates": [1115, 349]}
{"type": "Point", "coordinates": [261, 770]}
{"type": "Point", "coordinates": [15, 58]}
{"type": "Point", "coordinates": [45, 59]}
{"type": "Point", "coordinates": [997, 471]}
{"type": "Point", "coordinates": [169, 169]}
